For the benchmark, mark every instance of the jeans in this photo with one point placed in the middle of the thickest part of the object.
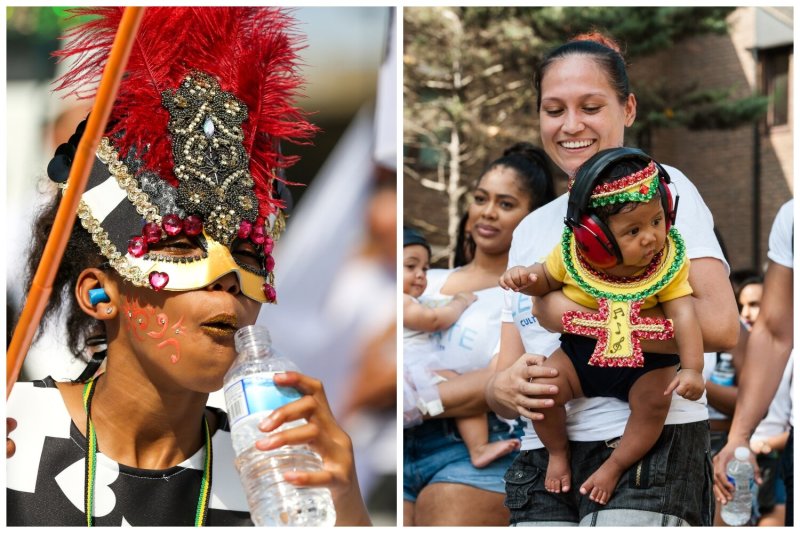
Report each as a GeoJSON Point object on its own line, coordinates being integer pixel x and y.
{"type": "Point", "coordinates": [670, 486]}
{"type": "Point", "coordinates": [435, 453]}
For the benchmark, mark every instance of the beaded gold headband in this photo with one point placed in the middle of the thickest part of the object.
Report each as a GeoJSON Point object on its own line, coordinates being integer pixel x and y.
{"type": "Point", "coordinates": [641, 186]}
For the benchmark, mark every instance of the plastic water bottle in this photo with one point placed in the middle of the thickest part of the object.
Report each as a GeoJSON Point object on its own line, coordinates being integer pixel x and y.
{"type": "Point", "coordinates": [724, 372]}
{"type": "Point", "coordinates": [251, 395]}
{"type": "Point", "coordinates": [737, 512]}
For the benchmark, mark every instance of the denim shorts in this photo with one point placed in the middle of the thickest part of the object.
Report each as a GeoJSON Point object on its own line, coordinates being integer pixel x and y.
{"type": "Point", "coordinates": [771, 491]}
{"type": "Point", "coordinates": [670, 486]}
{"type": "Point", "coordinates": [434, 453]}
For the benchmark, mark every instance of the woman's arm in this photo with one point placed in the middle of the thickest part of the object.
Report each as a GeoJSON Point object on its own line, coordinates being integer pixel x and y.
{"type": "Point", "coordinates": [723, 398]}
{"type": "Point", "coordinates": [768, 350]}
{"type": "Point", "coordinates": [768, 444]}
{"type": "Point", "coordinates": [714, 304]}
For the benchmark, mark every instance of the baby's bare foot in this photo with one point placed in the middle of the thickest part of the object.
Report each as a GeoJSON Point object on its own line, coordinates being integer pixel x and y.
{"type": "Point", "coordinates": [487, 453]}
{"type": "Point", "coordinates": [601, 484]}
{"type": "Point", "coordinates": [558, 474]}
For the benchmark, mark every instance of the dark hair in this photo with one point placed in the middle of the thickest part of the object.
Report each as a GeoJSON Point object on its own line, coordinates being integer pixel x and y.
{"type": "Point", "coordinates": [530, 164]}
{"type": "Point", "coordinates": [613, 172]}
{"type": "Point", "coordinates": [412, 236]}
{"type": "Point", "coordinates": [603, 49]}
{"type": "Point", "coordinates": [465, 246]}
{"type": "Point", "coordinates": [745, 278]}
{"type": "Point", "coordinates": [81, 253]}
{"type": "Point", "coordinates": [533, 172]}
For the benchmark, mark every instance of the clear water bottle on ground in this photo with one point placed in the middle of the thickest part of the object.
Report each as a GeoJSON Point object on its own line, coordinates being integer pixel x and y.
{"type": "Point", "coordinates": [737, 512]}
{"type": "Point", "coordinates": [724, 372]}
{"type": "Point", "coordinates": [251, 395]}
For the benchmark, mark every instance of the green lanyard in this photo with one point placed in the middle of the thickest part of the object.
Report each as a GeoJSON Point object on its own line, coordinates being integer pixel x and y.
{"type": "Point", "coordinates": [91, 464]}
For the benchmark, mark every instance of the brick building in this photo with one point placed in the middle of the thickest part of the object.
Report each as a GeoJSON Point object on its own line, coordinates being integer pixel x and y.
{"type": "Point", "coordinates": [745, 174]}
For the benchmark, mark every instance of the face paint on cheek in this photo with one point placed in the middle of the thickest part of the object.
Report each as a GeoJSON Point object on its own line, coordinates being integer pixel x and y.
{"type": "Point", "coordinates": [162, 319]}
{"type": "Point", "coordinates": [139, 319]}
{"type": "Point", "coordinates": [137, 316]}
{"type": "Point", "coordinates": [176, 355]}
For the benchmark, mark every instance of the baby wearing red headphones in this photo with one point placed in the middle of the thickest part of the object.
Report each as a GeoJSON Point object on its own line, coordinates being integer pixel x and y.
{"type": "Point", "coordinates": [619, 254]}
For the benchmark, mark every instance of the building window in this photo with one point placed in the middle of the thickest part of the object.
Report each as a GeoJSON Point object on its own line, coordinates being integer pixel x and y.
{"type": "Point", "coordinates": [775, 68]}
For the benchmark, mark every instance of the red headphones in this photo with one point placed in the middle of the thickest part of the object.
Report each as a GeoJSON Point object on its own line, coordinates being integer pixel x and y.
{"type": "Point", "coordinates": [593, 237]}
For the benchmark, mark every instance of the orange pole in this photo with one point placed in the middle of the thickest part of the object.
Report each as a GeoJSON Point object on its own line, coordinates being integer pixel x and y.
{"type": "Point", "coordinates": [42, 284]}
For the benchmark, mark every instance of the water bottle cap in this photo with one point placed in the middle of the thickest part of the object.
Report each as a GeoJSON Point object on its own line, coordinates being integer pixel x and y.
{"type": "Point", "coordinates": [252, 337]}
{"type": "Point", "coordinates": [726, 357]}
{"type": "Point", "coordinates": [742, 453]}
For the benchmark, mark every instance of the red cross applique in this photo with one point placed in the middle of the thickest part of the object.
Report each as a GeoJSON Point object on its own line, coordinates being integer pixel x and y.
{"type": "Point", "coordinates": [618, 329]}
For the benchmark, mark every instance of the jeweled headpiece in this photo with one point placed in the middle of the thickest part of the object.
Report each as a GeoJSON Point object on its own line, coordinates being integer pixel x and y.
{"type": "Point", "coordinates": [193, 142]}
{"type": "Point", "coordinates": [640, 186]}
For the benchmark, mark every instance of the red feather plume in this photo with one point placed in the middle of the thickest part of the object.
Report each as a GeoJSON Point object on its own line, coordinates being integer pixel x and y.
{"type": "Point", "coordinates": [252, 52]}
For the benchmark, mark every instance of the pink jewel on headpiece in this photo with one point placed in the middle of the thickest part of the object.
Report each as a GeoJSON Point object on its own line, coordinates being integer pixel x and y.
{"type": "Point", "coordinates": [151, 233]}
{"type": "Point", "coordinates": [158, 280]}
{"type": "Point", "coordinates": [269, 244]}
{"type": "Point", "coordinates": [245, 227]}
{"type": "Point", "coordinates": [269, 292]}
{"type": "Point", "coordinates": [644, 189]}
{"type": "Point", "coordinates": [137, 246]}
{"type": "Point", "coordinates": [258, 235]}
{"type": "Point", "coordinates": [269, 263]}
{"type": "Point", "coordinates": [193, 225]}
{"type": "Point", "coordinates": [172, 224]}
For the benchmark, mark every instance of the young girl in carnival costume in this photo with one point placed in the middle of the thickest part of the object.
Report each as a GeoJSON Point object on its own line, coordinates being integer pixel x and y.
{"type": "Point", "coordinates": [420, 361]}
{"type": "Point", "coordinates": [619, 253]}
{"type": "Point", "coordinates": [170, 256]}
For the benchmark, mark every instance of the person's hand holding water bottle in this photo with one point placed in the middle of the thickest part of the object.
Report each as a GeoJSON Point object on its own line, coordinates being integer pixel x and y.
{"type": "Point", "coordinates": [323, 435]}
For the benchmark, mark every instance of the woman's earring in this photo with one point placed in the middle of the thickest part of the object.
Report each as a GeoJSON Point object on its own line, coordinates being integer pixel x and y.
{"type": "Point", "coordinates": [97, 296]}
{"type": "Point", "coordinates": [109, 310]}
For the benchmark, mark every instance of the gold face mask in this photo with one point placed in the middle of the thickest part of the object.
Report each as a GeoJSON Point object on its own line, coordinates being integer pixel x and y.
{"type": "Point", "coordinates": [189, 273]}
{"type": "Point", "coordinates": [127, 211]}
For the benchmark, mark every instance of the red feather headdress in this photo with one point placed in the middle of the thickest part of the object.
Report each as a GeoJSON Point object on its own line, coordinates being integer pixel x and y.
{"type": "Point", "coordinates": [193, 141]}
{"type": "Point", "coordinates": [250, 51]}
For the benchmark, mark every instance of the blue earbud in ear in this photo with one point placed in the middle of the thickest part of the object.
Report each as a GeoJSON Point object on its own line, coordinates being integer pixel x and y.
{"type": "Point", "coordinates": [97, 296]}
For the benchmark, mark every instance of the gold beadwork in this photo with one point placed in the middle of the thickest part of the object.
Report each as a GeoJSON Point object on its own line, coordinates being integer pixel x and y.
{"type": "Point", "coordinates": [131, 273]}
{"type": "Point", "coordinates": [211, 162]}
{"type": "Point", "coordinates": [108, 155]}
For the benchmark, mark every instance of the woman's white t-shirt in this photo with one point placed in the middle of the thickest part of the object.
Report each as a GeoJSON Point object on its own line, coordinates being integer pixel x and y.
{"type": "Point", "coordinates": [595, 419]}
{"type": "Point", "coordinates": [471, 342]}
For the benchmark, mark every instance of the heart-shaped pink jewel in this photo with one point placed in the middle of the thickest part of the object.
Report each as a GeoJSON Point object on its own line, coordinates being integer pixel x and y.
{"type": "Point", "coordinates": [158, 280]}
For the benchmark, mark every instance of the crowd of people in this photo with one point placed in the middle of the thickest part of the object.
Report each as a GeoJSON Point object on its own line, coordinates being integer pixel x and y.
{"type": "Point", "coordinates": [604, 314]}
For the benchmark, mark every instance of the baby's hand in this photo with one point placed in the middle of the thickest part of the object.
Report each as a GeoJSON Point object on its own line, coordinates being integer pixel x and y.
{"type": "Point", "coordinates": [467, 296]}
{"type": "Point", "coordinates": [688, 383]}
{"type": "Point", "coordinates": [518, 279]}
